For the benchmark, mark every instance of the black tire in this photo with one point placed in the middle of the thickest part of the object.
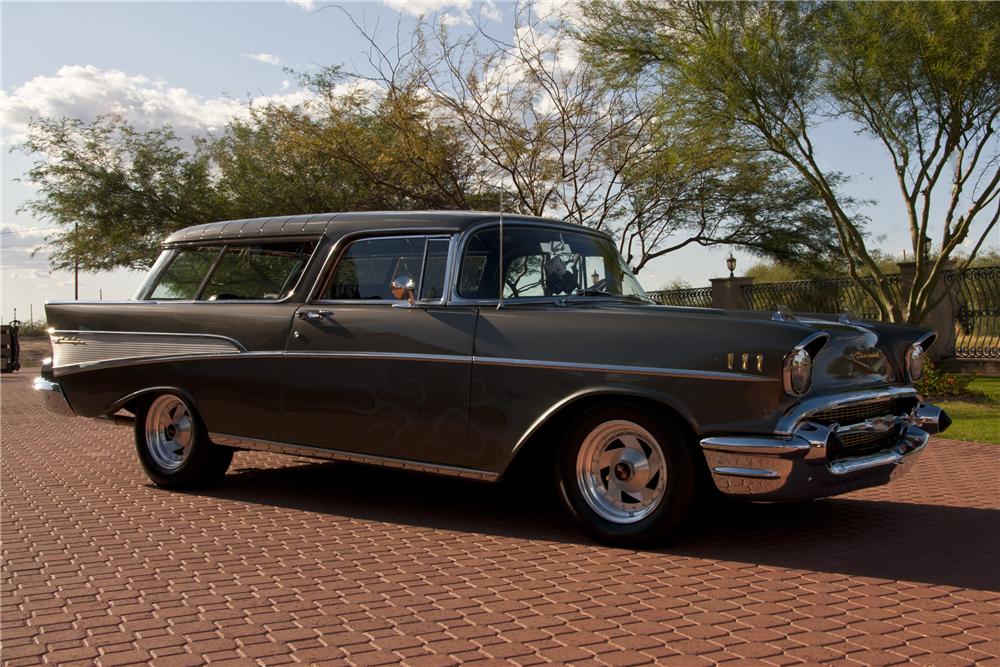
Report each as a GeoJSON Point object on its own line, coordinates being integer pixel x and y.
{"type": "Point", "coordinates": [201, 466]}
{"type": "Point", "coordinates": [677, 498]}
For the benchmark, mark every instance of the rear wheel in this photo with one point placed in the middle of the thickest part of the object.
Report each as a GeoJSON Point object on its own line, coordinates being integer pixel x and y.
{"type": "Point", "coordinates": [628, 479]}
{"type": "Point", "coordinates": [173, 445]}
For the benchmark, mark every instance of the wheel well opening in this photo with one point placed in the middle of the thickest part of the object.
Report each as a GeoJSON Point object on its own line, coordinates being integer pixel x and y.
{"type": "Point", "coordinates": [534, 462]}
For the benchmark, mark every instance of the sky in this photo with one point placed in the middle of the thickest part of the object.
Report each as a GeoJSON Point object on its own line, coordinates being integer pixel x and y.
{"type": "Point", "coordinates": [194, 65]}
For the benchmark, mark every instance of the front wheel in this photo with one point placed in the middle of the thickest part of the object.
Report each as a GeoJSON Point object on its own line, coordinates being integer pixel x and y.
{"type": "Point", "coordinates": [173, 445]}
{"type": "Point", "coordinates": [628, 479]}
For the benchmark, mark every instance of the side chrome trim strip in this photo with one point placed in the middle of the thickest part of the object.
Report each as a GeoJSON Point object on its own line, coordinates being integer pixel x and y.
{"type": "Point", "coordinates": [76, 350]}
{"type": "Point", "coordinates": [755, 445]}
{"type": "Point", "coordinates": [233, 341]}
{"type": "Point", "coordinates": [625, 370]}
{"type": "Point", "coordinates": [159, 359]}
{"type": "Point", "coordinates": [753, 473]}
{"type": "Point", "coordinates": [424, 357]}
{"type": "Point", "coordinates": [337, 455]}
{"type": "Point", "coordinates": [391, 356]}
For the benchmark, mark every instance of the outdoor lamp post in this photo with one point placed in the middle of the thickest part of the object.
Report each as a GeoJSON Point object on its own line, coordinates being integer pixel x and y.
{"type": "Point", "coordinates": [731, 264]}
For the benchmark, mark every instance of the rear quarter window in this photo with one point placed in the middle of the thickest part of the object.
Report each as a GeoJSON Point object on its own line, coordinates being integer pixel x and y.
{"type": "Point", "coordinates": [266, 271]}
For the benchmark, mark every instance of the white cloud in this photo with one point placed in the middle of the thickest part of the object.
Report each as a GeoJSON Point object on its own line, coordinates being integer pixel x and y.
{"type": "Point", "coordinates": [85, 92]}
{"type": "Point", "coordinates": [451, 12]}
{"type": "Point", "coordinates": [18, 244]}
{"type": "Point", "coordinates": [268, 58]}
{"type": "Point", "coordinates": [305, 5]}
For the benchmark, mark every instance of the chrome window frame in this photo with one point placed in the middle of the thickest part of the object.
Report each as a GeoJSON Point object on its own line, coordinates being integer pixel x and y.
{"type": "Point", "coordinates": [463, 243]}
{"type": "Point", "coordinates": [223, 244]}
{"type": "Point", "coordinates": [340, 246]}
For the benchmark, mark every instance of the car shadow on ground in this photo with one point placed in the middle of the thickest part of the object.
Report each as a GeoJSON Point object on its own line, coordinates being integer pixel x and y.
{"type": "Point", "coordinates": [954, 546]}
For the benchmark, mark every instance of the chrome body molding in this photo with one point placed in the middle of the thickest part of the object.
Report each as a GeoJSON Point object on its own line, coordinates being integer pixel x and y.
{"type": "Point", "coordinates": [140, 353]}
{"type": "Point", "coordinates": [53, 397]}
{"type": "Point", "coordinates": [618, 369]}
{"type": "Point", "coordinates": [746, 472]}
{"type": "Point", "coordinates": [241, 442]}
{"type": "Point", "coordinates": [82, 349]}
{"type": "Point", "coordinates": [389, 356]}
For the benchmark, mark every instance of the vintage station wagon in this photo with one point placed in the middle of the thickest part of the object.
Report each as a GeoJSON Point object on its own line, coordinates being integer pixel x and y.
{"type": "Point", "coordinates": [466, 344]}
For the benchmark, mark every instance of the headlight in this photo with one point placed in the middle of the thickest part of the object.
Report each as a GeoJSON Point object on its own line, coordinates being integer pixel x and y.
{"type": "Point", "coordinates": [798, 372]}
{"type": "Point", "coordinates": [915, 362]}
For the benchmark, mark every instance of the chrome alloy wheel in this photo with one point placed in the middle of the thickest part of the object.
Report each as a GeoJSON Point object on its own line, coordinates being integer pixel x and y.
{"type": "Point", "coordinates": [621, 471]}
{"type": "Point", "coordinates": [169, 431]}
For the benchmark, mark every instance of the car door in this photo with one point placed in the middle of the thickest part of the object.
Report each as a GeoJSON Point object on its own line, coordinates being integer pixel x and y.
{"type": "Point", "coordinates": [367, 372]}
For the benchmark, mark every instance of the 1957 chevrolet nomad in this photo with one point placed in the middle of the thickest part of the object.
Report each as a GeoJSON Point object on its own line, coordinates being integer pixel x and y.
{"type": "Point", "coordinates": [463, 344]}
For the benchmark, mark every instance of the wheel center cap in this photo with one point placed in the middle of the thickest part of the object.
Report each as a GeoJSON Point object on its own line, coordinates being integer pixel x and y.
{"type": "Point", "coordinates": [623, 471]}
{"type": "Point", "coordinates": [170, 432]}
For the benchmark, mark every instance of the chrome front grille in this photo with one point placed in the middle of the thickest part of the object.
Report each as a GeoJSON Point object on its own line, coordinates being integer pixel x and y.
{"type": "Point", "coordinates": [865, 427]}
{"type": "Point", "coordinates": [859, 412]}
{"type": "Point", "coordinates": [856, 444]}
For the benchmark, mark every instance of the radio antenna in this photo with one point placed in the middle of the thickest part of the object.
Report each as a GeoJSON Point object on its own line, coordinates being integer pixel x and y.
{"type": "Point", "coordinates": [500, 297]}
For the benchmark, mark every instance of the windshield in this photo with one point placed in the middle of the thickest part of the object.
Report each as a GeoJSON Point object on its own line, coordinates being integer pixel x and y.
{"type": "Point", "coordinates": [544, 262]}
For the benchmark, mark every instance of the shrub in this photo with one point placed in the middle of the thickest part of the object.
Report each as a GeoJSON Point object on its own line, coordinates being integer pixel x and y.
{"type": "Point", "coordinates": [939, 384]}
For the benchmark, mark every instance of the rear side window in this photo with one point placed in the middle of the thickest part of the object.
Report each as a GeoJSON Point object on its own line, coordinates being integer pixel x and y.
{"type": "Point", "coordinates": [267, 271]}
{"type": "Point", "coordinates": [367, 267]}
{"type": "Point", "coordinates": [185, 273]}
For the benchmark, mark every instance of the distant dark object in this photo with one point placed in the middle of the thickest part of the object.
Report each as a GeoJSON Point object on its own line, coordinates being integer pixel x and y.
{"type": "Point", "coordinates": [11, 347]}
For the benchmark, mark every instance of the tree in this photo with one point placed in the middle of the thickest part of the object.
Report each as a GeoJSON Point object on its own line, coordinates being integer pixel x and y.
{"type": "Point", "coordinates": [922, 79]}
{"type": "Point", "coordinates": [116, 191]}
{"type": "Point", "coordinates": [543, 124]}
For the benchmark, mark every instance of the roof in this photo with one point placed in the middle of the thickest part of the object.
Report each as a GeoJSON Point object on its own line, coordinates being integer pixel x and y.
{"type": "Point", "coordinates": [339, 224]}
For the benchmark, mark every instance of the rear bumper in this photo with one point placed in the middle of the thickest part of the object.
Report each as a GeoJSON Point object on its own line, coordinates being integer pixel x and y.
{"type": "Point", "coordinates": [52, 395]}
{"type": "Point", "coordinates": [807, 463]}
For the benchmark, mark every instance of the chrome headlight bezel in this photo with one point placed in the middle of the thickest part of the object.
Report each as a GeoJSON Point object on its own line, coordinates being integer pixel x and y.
{"type": "Point", "coordinates": [797, 368]}
{"type": "Point", "coordinates": [797, 372]}
{"type": "Point", "coordinates": [915, 360]}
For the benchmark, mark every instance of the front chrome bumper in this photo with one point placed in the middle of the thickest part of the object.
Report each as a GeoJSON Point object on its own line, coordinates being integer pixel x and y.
{"type": "Point", "coordinates": [52, 395]}
{"type": "Point", "coordinates": [807, 463]}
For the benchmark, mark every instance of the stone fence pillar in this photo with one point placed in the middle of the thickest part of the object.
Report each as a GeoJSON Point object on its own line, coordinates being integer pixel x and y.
{"type": "Point", "coordinates": [941, 317]}
{"type": "Point", "coordinates": [727, 293]}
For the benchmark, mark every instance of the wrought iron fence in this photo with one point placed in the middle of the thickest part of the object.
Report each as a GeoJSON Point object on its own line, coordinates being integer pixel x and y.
{"type": "Point", "coordinates": [975, 295]}
{"type": "Point", "coordinates": [698, 297]}
{"type": "Point", "coordinates": [831, 295]}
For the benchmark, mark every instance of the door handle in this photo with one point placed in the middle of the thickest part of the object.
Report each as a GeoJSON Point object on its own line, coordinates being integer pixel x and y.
{"type": "Point", "coordinates": [315, 315]}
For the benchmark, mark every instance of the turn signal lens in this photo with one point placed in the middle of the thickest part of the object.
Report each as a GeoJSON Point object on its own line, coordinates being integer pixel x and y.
{"type": "Point", "coordinates": [798, 372]}
{"type": "Point", "coordinates": [915, 359]}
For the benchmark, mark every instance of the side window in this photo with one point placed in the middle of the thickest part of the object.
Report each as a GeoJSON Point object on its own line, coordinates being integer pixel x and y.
{"type": "Point", "coordinates": [543, 261]}
{"type": "Point", "coordinates": [366, 268]}
{"type": "Point", "coordinates": [435, 266]}
{"type": "Point", "coordinates": [185, 273]}
{"type": "Point", "coordinates": [265, 271]}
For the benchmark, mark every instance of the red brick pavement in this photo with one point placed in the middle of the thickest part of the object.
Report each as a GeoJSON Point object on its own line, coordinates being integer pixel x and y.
{"type": "Point", "coordinates": [296, 561]}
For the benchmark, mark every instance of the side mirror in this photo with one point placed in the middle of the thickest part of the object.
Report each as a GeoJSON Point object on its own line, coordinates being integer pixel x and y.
{"type": "Point", "coordinates": [403, 287]}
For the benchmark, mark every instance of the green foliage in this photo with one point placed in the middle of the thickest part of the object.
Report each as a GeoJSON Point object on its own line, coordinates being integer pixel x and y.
{"type": "Point", "coordinates": [921, 79]}
{"type": "Point", "coordinates": [936, 383]}
{"type": "Point", "coordinates": [36, 329]}
{"type": "Point", "coordinates": [116, 191]}
{"type": "Point", "coordinates": [976, 420]}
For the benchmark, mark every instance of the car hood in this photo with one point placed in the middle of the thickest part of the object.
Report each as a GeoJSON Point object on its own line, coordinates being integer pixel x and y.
{"type": "Point", "coordinates": [851, 355]}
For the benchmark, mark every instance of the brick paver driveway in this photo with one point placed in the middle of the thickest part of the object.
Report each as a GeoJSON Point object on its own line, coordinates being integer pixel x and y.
{"type": "Point", "coordinates": [297, 561]}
